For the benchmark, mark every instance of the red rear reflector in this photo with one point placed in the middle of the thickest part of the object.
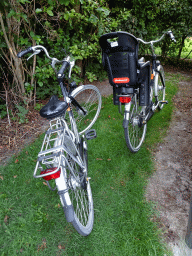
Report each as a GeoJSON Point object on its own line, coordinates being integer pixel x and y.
{"type": "Point", "coordinates": [124, 99]}
{"type": "Point", "coordinates": [121, 80]}
{"type": "Point", "coordinates": [51, 176]}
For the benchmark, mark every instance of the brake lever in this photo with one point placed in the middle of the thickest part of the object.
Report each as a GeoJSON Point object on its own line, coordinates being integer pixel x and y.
{"type": "Point", "coordinates": [170, 33]}
{"type": "Point", "coordinates": [72, 63]}
{"type": "Point", "coordinates": [54, 61]}
{"type": "Point", "coordinates": [35, 52]}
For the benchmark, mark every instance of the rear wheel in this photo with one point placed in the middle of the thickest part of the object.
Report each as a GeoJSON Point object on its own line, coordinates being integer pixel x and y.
{"type": "Point", "coordinates": [89, 98]}
{"type": "Point", "coordinates": [136, 129]}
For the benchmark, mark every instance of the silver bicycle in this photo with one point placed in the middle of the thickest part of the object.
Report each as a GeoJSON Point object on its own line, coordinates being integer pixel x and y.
{"type": "Point", "coordinates": [138, 86]}
{"type": "Point", "coordinates": [63, 155]}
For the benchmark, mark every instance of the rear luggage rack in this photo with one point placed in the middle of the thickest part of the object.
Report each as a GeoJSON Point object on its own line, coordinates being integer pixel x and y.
{"type": "Point", "coordinates": [58, 143]}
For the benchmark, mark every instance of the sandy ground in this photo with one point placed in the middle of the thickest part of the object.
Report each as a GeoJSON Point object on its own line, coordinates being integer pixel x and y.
{"type": "Point", "coordinates": [171, 185]}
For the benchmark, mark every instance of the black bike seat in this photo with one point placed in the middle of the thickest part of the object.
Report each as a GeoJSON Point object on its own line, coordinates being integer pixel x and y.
{"type": "Point", "coordinates": [53, 108]}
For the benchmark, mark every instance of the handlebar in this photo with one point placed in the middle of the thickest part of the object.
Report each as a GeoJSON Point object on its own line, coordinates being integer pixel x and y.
{"type": "Point", "coordinates": [170, 33]}
{"type": "Point", "coordinates": [22, 53]}
{"type": "Point", "coordinates": [68, 61]}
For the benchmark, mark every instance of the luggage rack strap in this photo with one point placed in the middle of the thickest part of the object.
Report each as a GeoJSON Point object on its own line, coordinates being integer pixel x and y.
{"type": "Point", "coordinates": [55, 130]}
{"type": "Point", "coordinates": [48, 156]}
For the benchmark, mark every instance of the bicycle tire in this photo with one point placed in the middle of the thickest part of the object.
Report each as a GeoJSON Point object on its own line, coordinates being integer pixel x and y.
{"type": "Point", "coordinates": [135, 131]}
{"type": "Point", "coordinates": [160, 86]}
{"type": "Point", "coordinates": [79, 192]}
{"type": "Point", "coordinates": [79, 222]}
{"type": "Point", "coordinates": [149, 111]}
{"type": "Point", "coordinates": [89, 97]}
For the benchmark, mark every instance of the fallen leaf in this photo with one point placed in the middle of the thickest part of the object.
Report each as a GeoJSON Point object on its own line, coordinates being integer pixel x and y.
{"type": "Point", "coordinates": [61, 247]}
{"type": "Point", "coordinates": [45, 183]}
{"type": "Point", "coordinates": [6, 219]}
{"type": "Point", "coordinates": [99, 159]}
{"type": "Point", "coordinates": [108, 159]}
{"type": "Point", "coordinates": [42, 246]}
{"type": "Point", "coordinates": [15, 176]}
{"type": "Point", "coordinates": [1, 177]}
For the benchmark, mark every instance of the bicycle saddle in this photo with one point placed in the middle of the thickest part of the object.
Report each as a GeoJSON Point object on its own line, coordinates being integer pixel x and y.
{"type": "Point", "coordinates": [53, 108]}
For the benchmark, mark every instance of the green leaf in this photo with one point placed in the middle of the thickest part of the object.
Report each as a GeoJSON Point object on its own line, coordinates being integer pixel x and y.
{"type": "Point", "coordinates": [65, 2]}
{"type": "Point", "coordinates": [93, 19]}
{"type": "Point", "coordinates": [49, 12]}
{"type": "Point", "coordinates": [103, 9]}
{"type": "Point", "coordinates": [38, 10]}
{"type": "Point", "coordinates": [24, 1]}
{"type": "Point", "coordinates": [11, 13]}
{"type": "Point", "coordinates": [66, 16]}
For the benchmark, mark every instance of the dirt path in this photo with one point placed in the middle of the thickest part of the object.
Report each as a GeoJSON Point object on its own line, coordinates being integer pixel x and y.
{"type": "Point", "coordinates": [170, 186]}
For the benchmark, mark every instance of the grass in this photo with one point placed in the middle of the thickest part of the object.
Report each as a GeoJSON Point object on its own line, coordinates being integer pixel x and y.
{"type": "Point", "coordinates": [32, 221]}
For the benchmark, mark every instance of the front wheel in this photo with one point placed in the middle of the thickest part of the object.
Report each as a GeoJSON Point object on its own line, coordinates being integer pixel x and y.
{"type": "Point", "coordinates": [136, 128]}
{"type": "Point", "coordinates": [89, 98]}
{"type": "Point", "coordinates": [160, 86]}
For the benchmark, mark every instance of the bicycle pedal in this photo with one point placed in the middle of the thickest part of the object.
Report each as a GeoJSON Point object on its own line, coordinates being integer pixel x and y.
{"type": "Point", "coordinates": [163, 102]}
{"type": "Point", "coordinates": [90, 134]}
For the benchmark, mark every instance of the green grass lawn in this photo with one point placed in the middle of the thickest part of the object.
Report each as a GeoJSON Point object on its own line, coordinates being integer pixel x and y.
{"type": "Point", "coordinates": [32, 221]}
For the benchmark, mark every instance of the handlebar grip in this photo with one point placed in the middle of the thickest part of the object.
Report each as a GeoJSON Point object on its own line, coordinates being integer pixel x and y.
{"type": "Point", "coordinates": [22, 53]}
{"type": "Point", "coordinates": [63, 68]}
{"type": "Point", "coordinates": [170, 33]}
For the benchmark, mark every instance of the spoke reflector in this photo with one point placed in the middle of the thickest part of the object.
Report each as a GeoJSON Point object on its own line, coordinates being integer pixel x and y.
{"type": "Point", "coordinates": [121, 80]}
{"type": "Point", "coordinates": [124, 99]}
{"type": "Point", "coordinates": [51, 176]}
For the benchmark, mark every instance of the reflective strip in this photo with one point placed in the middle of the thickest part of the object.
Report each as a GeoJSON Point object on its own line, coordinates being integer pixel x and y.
{"type": "Point", "coordinates": [121, 80]}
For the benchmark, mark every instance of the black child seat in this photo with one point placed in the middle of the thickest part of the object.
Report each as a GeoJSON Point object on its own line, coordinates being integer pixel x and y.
{"type": "Point", "coordinates": [125, 71]}
{"type": "Point", "coordinates": [54, 108]}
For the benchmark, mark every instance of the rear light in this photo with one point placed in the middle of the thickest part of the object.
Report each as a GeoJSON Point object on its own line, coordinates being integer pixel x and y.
{"type": "Point", "coordinates": [51, 176]}
{"type": "Point", "coordinates": [124, 99]}
{"type": "Point", "coordinates": [121, 80]}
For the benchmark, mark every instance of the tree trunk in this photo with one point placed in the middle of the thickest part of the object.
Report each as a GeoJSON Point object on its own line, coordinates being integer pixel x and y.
{"type": "Point", "coordinates": [17, 67]}
{"type": "Point", "coordinates": [181, 46]}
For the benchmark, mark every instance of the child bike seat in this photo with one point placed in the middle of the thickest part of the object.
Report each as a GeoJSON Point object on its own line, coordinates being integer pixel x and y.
{"type": "Point", "coordinates": [120, 58]}
{"type": "Point", "coordinates": [54, 108]}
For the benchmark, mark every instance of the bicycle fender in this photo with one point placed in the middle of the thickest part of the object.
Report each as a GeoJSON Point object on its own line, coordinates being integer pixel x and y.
{"type": "Point", "coordinates": [126, 118]}
{"type": "Point", "coordinates": [125, 123]}
{"type": "Point", "coordinates": [68, 209]}
{"type": "Point", "coordinates": [69, 213]}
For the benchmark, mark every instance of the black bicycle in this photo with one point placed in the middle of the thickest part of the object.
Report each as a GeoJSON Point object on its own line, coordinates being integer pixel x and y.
{"type": "Point", "coordinates": [137, 85]}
